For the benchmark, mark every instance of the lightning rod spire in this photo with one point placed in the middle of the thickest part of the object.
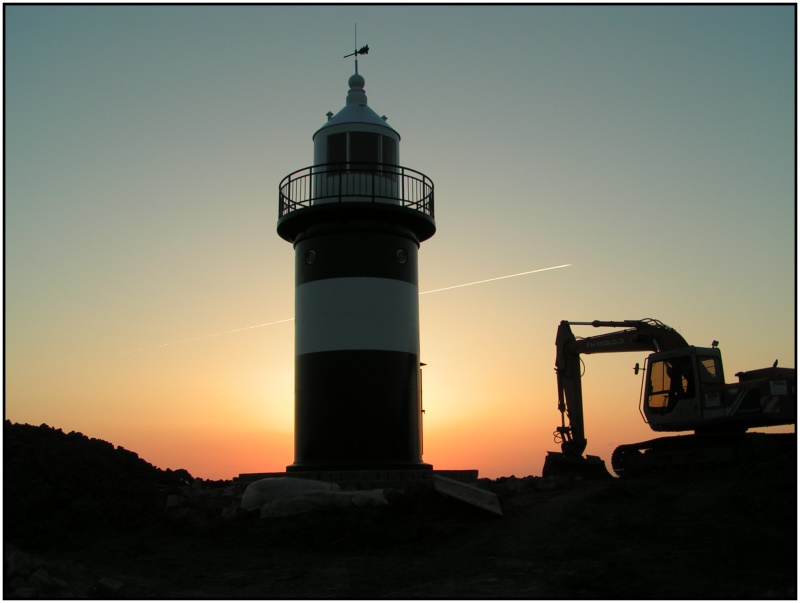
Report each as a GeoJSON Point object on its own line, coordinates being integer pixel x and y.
{"type": "Point", "coordinates": [357, 51]}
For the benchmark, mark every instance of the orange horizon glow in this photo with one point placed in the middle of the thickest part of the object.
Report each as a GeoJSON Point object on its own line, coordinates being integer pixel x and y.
{"type": "Point", "coordinates": [147, 294]}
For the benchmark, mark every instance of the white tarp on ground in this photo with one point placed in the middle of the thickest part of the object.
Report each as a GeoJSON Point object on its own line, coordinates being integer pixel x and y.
{"type": "Point", "coordinates": [283, 507]}
{"type": "Point", "coordinates": [283, 496]}
{"type": "Point", "coordinates": [269, 489]}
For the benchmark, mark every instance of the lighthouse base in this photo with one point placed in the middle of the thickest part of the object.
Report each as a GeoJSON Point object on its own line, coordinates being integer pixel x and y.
{"type": "Point", "coordinates": [359, 466]}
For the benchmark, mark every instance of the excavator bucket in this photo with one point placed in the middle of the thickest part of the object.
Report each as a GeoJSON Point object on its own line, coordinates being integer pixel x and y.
{"type": "Point", "coordinates": [557, 464]}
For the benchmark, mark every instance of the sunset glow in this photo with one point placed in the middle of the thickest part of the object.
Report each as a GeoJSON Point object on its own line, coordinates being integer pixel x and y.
{"type": "Point", "coordinates": [149, 300]}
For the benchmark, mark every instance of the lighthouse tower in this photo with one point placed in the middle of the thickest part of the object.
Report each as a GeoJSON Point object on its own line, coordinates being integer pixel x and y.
{"type": "Point", "coordinates": [356, 219]}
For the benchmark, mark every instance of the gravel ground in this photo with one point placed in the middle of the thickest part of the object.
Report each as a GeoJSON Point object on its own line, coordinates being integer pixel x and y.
{"type": "Point", "coordinates": [85, 519]}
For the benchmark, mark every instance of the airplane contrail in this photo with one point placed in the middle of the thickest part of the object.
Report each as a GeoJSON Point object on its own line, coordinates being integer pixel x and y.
{"type": "Point", "coordinates": [497, 278]}
{"type": "Point", "coordinates": [163, 345]}
{"type": "Point", "coordinates": [275, 322]}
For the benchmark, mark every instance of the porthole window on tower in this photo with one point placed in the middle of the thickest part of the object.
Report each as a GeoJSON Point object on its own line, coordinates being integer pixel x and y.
{"type": "Point", "coordinates": [402, 256]}
{"type": "Point", "coordinates": [311, 255]}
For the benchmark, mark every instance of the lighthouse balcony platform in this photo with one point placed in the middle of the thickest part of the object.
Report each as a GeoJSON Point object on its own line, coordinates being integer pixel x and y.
{"type": "Point", "coordinates": [338, 191]}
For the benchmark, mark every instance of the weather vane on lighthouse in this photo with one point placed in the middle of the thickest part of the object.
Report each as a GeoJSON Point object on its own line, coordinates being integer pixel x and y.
{"type": "Point", "coordinates": [355, 53]}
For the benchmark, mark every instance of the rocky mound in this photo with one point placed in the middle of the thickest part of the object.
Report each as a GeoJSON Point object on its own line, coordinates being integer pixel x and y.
{"type": "Point", "coordinates": [57, 483]}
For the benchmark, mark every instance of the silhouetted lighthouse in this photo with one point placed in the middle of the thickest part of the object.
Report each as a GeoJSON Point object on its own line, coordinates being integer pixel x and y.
{"type": "Point", "coordinates": [356, 219]}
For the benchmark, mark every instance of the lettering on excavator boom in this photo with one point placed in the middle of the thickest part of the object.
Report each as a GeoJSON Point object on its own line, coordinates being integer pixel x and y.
{"type": "Point", "coordinates": [604, 344]}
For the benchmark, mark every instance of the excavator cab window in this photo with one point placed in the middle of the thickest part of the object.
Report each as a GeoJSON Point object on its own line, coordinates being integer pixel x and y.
{"type": "Point", "coordinates": [710, 369]}
{"type": "Point", "coordinates": [671, 380]}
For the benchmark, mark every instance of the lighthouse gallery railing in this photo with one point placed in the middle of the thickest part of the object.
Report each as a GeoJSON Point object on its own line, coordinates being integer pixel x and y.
{"type": "Point", "coordinates": [356, 182]}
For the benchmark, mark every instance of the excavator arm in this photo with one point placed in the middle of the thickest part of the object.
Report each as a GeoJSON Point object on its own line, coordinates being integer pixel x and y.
{"type": "Point", "coordinates": [636, 335]}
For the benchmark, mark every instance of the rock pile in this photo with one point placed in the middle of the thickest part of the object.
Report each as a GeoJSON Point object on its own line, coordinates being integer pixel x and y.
{"type": "Point", "coordinates": [64, 491]}
{"type": "Point", "coordinates": [59, 483]}
{"type": "Point", "coordinates": [28, 576]}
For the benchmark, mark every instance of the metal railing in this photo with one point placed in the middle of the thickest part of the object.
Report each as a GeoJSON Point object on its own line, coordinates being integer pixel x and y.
{"type": "Point", "coordinates": [356, 182]}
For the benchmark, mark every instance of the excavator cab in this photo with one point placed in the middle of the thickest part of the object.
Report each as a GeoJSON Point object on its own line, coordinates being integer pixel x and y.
{"type": "Point", "coordinates": [681, 386]}
{"type": "Point", "coordinates": [685, 390]}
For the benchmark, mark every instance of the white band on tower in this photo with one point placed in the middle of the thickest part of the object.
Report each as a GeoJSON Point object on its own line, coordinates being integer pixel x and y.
{"type": "Point", "coordinates": [356, 313]}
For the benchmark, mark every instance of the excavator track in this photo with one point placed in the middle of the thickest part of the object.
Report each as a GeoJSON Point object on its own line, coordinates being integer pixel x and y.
{"type": "Point", "coordinates": [701, 451]}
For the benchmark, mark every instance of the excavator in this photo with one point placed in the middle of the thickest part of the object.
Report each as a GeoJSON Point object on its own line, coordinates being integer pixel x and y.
{"type": "Point", "coordinates": [683, 389]}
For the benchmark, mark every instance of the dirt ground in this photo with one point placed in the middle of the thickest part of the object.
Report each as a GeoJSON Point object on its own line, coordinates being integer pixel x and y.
{"type": "Point", "coordinates": [116, 533]}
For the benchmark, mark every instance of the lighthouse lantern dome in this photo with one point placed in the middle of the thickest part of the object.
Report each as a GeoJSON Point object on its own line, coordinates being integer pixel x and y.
{"type": "Point", "coordinates": [356, 133]}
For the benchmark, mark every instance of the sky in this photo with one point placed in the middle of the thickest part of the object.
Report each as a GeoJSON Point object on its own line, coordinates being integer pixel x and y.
{"type": "Point", "coordinates": [148, 298]}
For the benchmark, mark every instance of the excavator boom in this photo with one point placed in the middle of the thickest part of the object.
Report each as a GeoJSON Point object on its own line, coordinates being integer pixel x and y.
{"type": "Point", "coordinates": [638, 335]}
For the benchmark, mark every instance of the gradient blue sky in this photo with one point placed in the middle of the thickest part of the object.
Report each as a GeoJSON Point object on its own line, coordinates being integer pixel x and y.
{"type": "Point", "coordinates": [651, 147]}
